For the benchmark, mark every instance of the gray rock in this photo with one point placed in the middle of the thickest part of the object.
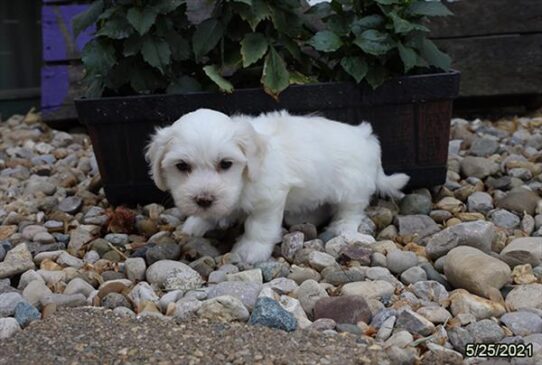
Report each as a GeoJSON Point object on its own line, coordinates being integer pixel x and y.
{"type": "Point", "coordinates": [124, 312]}
{"type": "Point", "coordinates": [504, 219]}
{"type": "Point", "coordinates": [522, 323]}
{"type": "Point", "coordinates": [117, 239]}
{"type": "Point", "coordinates": [419, 225]}
{"type": "Point", "coordinates": [186, 308]}
{"type": "Point", "coordinates": [71, 205]}
{"type": "Point", "coordinates": [27, 277]}
{"type": "Point", "coordinates": [378, 259]}
{"type": "Point", "coordinates": [478, 234]}
{"type": "Point", "coordinates": [401, 338]}
{"type": "Point", "coordinates": [309, 230]}
{"type": "Point", "coordinates": [273, 269]}
{"type": "Point", "coordinates": [8, 327]}
{"type": "Point", "coordinates": [415, 204]}
{"type": "Point", "coordinates": [199, 247]}
{"type": "Point", "coordinates": [79, 237]}
{"type": "Point", "coordinates": [216, 277]}
{"type": "Point", "coordinates": [414, 323]}
{"type": "Point", "coordinates": [335, 245]}
{"type": "Point", "coordinates": [484, 147]}
{"type": "Point", "coordinates": [253, 276]}
{"type": "Point", "coordinates": [64, 300]}
{"type": "Point", "coordinates": [78, 285]}
{"type": "Point", "coordinates": [178, 274]}
{"type": "Point", "coordinates": [114, 300]}
{"type": "Point", "coordinates": [459, 338]}
{"type": "Point", "coordinates": [429, 290]}
{"type": "Point", "coordinates": [413, 275]}
{"type": "Point", "coordinates": [478, 167]}
{"type": "Point", "coordinates": [471, 269]}
{"type": "Point", "coordinates": [399, 261]}
{"type": "Point", "coordinates": [143, 292]}
{"type": "Point", "coordinates": [246, 292]}
{"type": "Point", "coordinates": [291, 243]}
{"type": "Point", "coordinates": [485, 331]}
{"type": "Point", "coordinates": [223, 308]}
{"type": "Point", "coordinates": [433, 274]}
{"type": "Point", "coordinates": [35, 291]}
{"type": "Point", "coordinates": [67, 260]}
{"type": "Point", "coordinates": [168, 298]}
{"type": "Point", "coordinates": [434, 314]}
{"type": "Point", "coordinates": [8, 302]}
{"type": "Point", "coordinates": [163, 251]}
{"type": "Point", "coordinates": [44, 237]}
{"type": "Point", "coordinates": [386, 329]}
{"type": "Point", "coordinates": [309, 293]}
{"type": "Point", "coordinates": [269, 313]}
{"type": "Point", "coordinates": [519, 200]}
{"type": "Point", "coordinates": [526, 250]}
{"type": "Point", "coordinates": [343, 276]}
{"type": "Point", "coordinates": [17, 261]}
{"type": "Point", "coordinates": [282, 285]}
{"type": "Point", "coordinates": [480, 202]}
{"type": "Point", "coordinates": [320, 260]}
{"type": "Point", "coordinates": [135, 268]}
{"type": "Point", "coordinates": [525, 296]}
{"type": "Point", "coordinates": [301, 274]}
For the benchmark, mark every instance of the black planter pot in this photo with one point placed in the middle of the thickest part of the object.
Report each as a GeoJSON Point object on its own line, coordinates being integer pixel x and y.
{"type": "Point", "coordinates": [410, 114]}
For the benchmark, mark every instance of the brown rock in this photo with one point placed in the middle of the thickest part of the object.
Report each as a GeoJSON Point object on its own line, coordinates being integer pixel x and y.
{"type": "Point", "coordinates": [344, 309]}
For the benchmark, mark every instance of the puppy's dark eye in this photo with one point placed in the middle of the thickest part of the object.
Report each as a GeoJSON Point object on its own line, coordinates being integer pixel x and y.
{"type": "Point", "coordinates": [225, 164]}
{"type": "Point", "coordinates": [183, 166]}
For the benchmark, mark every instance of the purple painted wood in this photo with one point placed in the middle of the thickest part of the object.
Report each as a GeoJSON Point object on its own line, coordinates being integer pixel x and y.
{"type": "Point", "coordinates": [54, 85]}
{"type": "Point", "coordinates": [58, 40]}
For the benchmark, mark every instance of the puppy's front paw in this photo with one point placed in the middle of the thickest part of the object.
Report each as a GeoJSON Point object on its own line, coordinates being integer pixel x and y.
{"type": "Point", "coordinates": [195, 226]}
{"type": "Point", "coordinates": [252, 252]}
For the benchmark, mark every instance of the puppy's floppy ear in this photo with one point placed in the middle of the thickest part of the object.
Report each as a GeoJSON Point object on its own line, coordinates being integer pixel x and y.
{"type": "Point", "coordinates": [155, 153]}
{"type": "Point", "coordinates": [253, 146]}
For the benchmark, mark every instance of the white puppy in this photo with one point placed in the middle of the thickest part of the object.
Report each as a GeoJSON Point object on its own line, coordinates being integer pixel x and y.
{"type": "Point", "coordinates": [220, 168]}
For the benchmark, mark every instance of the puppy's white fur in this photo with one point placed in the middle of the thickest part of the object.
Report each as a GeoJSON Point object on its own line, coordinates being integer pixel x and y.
{"type": "Point", "coordinates": [280, 163]}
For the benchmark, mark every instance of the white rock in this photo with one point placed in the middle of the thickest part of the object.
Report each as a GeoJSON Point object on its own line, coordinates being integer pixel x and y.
{"type": "Point", "coordinates": [369, 289]}
{"type": "Point", "coordinates": [8, 327]}
{"type": "Point", "coordinates": [80, 286]}
{"type": "Point", "coordinates": [17, 261]}
{"type": "Point", "coordinates": [135, 268]}
{"type": "Point", "coordinates": [254, 276]}
{"type": "Point", "coordinates": [308, 293]}
{"type": "Point", "coordinates": [34, 291]}
{"type": "Point", "coordinates": [27, 278]}
{"type": "Point", "coordinates": [178, 275]}
{"type": "Point", "coordinates": [224, 308]}
{"type": "Point", "coordinates": [321, 260]}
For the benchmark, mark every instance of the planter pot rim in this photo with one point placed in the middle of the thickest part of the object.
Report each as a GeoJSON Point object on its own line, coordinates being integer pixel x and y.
{"type": "Point", "coordinates": [393, 81]}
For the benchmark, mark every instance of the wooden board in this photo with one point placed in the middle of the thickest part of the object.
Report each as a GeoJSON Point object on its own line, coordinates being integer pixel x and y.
{"type": "Point", "coordinates": [488, 17]}
{"type": "Point", "coordinates": [497, 65]}
{"type": "Point", "coordinates": [59, 43]}
{"type": "Point", "coordinates": [59, 85]}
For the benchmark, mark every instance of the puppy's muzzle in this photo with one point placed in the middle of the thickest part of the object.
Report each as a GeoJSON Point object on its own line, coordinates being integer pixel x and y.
{"type": "Point", "coordinates": [204, 200]}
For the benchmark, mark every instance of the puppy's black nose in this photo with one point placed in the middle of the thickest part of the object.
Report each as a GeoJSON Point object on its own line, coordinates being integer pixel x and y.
{"type": "Point", "coordinates": [204, 201]}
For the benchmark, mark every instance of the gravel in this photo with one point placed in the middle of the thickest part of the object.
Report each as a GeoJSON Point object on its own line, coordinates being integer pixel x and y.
{"type": "Point", "coordinates": [455, 264]}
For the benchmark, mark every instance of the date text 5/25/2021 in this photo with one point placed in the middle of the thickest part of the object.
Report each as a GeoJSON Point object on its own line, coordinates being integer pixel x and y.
{"type": "Point", "coordinates": [499, 350]}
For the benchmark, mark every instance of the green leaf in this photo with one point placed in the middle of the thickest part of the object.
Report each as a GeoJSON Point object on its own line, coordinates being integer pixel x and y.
{"type": "Point", "coordinates": [116, 27]}
{"type": "Point", "coordinates": [146, 81]}
{"type": "Point", "coordinates": [368, 22]}
{"type": "Point", "coordinates": [98, 57]}
{"type": "Point", "coordinates": [338, 25]}
{"type": "Point", "coordinates": [286, 22]}
{"type": "Point", "coordinates": [400, 25]}
{"type": "Point", "coordinates": [180, 48]}
{"type": "Point", "coordinates": [248, 2]}
{"type": "Point", "coordinates": [434, 56]}
{"type": "Point", "coordinates": [374, 42]}
{"type": "Point", "coordinates": [275, 76]}
{"type": "Point", "coordinates": [212, 72]}
{"type": "Point", "coordinates": [198, 11]}
{"type": "Point", "coordinates": [428, 8]}
{"type": "Point", "coordinates": [298, 78]}
{"type": "Point", "coordinates": [376, 76]}
{"type": "Point", "coordinates": [156, 52]}
{"type": "Point", "coordinates": [326, 41]}
{"type": "Point", "coordinates": [83, 20]}
{"type": "Point", "coordinates": [253, 47]}
{"type": "Point", "coordinates": [254, 14]}
{"type": "Point", "coordinates": [292, 47]}
{"type": "Point", "coordinates": [132, 45]}
{"type": "Point", "coordinates": [355, 67]}
{"type": "Point", "coordinates": [387, 2]}
{"type": "Point", "coordinates": [206, 37]}
{"type": "Point", "coordinates": [185, 84]}
{"type": "Point", "coordinates": [141, 19]}
{"type": "Point", "coordinates": [166, 6]}
{"type": "Point", "coordinates": [408, 56]}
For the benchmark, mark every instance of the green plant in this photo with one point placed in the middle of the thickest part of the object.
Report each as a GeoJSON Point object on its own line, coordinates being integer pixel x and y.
{"type": "Point", "coordinates": [156, 46]}
{"type": "Point", "coordinates": [191, 45]}
{"type": "Point", "coordinates": [376, 39]}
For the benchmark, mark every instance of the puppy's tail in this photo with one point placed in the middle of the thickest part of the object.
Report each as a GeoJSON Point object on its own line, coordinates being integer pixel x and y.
{"type": "Point", "coordinates": [391, 185]}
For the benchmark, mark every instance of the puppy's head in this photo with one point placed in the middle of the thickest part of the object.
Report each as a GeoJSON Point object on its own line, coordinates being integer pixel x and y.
{"type": "Point", "coordinates": [204, 160]}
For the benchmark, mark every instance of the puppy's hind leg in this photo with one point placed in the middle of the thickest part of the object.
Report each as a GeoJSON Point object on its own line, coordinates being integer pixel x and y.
{"type": "Point", "coordinates": [347, 219]}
